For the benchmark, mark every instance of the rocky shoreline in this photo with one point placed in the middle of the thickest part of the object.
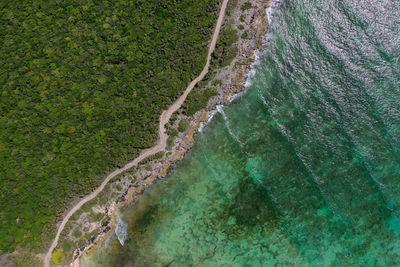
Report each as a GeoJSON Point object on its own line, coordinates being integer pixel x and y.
{"type": "Point", "coordinates": [254, 21]}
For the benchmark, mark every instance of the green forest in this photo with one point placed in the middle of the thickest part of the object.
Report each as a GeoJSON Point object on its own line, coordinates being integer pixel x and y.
{"type": "Point", "coordinates": [82, 85]}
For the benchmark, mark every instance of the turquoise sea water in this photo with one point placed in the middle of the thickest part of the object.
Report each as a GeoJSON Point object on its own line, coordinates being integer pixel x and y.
{"type": "Point", "coordinates": [303, 169]}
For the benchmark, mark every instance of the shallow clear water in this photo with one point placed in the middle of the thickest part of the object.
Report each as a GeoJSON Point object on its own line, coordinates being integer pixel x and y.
{"type": "Point", "coordinates": [303, 169]}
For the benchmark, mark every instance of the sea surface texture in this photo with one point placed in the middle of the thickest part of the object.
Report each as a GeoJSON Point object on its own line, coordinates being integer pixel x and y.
{"type": "Point", "coordinates": [303, 169]}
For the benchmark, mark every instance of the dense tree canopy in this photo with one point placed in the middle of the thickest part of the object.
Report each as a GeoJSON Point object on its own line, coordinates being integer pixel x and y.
{"type": "Point", "coordinates": [82, 85]}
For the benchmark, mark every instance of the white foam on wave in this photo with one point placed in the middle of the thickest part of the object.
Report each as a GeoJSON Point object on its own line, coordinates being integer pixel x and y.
{"type": "Point", "coordinates": [121, 231]}
{"type": "Point", "coordinates": [220, 109]}
{"type": "Point", "coordinates": [252, 69]}
{"type": "Point", "coordinates": [211, 115]}
{"type": "Point", "coordinates": [250, 73]}
{"type": "Point", "coordinates": [234, 96]}
{"type": "Point", "coordinates": [270, 11]}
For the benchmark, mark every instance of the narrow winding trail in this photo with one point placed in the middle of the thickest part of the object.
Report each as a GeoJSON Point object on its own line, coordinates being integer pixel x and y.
{"type": "Point", "coordinates": [164, 118]}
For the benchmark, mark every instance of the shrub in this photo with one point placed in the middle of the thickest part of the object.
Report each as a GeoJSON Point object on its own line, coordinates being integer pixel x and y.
{"type": "Point", "coordinates": [170, 142]}
{"type": "Point", "coordinates": [245, 6]}
{"type": "Point", "coordinates": [217, 82]}
{"type": "Point", "coordinates": [197, 100]}
{"type": "Point", "coordinates": [57, 256]}
{"type": "Point", "coordinates": [76, 233]}
{"type": "Point", "coordinates": [183, 125]}
{"type": "Point", "coordinates": [225, 50]}
{"type": "Point", "coordinates": [172, 132]}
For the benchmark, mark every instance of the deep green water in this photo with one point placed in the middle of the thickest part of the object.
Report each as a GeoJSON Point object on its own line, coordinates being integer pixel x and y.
{"type": "Point", "coordinates": [303, 169]}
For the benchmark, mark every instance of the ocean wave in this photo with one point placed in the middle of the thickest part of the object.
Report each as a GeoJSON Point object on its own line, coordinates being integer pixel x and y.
{"type": "Point", "coordinates": [121, 231]}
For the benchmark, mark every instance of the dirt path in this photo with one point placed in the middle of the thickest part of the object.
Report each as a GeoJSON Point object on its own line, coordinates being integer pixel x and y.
{"type": "Point", "coordinates": [164, 118]}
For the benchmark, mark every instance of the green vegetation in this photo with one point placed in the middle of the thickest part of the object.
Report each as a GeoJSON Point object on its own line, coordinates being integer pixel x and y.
{"type": "Point", "coordinates": [156, 156]}
{"type": "Point", "coordinates": [82, 85]}
{"type": "Point", "coordinates": [174, 117]}
{"type": "Point", "coordinates": [209, 77]}
{"type": "Point", "coordinates": [170, 142]}
{"type": "Point", "coordinates": [229, 56]}
{"type": "Point", "coordinates": [225, 50]}
{"type": "Point", "coordinates": [183, 125]}
{"type": "Point", "coordinates": [98, 216]}
{"type": "Point", "coordinates": [76, 233]}
{"type": "Point", "coordinates": [24, 260]}
{"type": "Point", "coordinates": [217, 82]}
{"type": "Point", "coordinates": [197, 100]}
{"type": "Point", "coordinates": [57, 256]}
{"type": "Point", "coordinates": [172, 132]}
{"type": "Point", "coordinates": [245, 6]}
{"type": "Point", "coordinates": [67, 245]}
